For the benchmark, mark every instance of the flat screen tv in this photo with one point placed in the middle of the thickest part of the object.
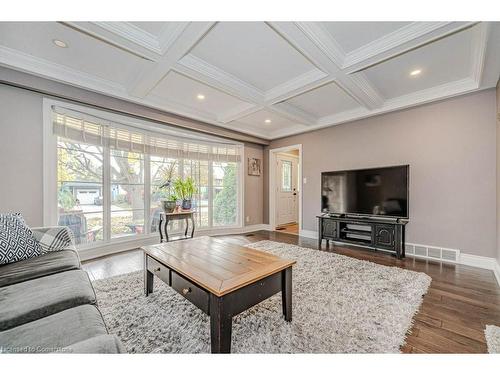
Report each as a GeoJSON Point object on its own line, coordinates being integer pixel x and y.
{"type": "Point", "coordinates": [369, 192]}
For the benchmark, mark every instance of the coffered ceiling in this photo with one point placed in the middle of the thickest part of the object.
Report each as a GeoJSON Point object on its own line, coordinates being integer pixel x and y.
{"type": "Point", "coordinates": [267, 79]}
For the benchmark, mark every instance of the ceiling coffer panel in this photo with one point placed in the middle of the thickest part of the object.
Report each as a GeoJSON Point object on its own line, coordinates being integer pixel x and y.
{"type": "Point", "coordinates": [265, 79]}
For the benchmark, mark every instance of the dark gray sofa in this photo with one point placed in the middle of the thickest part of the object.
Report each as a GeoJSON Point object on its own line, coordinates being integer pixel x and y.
{"type": "Point", "coordinates": [48, 304]}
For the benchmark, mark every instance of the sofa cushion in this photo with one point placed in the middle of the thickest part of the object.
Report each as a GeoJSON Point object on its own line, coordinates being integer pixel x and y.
{"type": "Point", "coordinates": [43, 265]}
{"type": "Point", "coordinates": [16, 240]}
{"type": "Point", "coordinates": [109, 344]}
{"type": "Point", "coordinates": [55, 332]}
{"type": "Point", "coordinates": [34, 299]}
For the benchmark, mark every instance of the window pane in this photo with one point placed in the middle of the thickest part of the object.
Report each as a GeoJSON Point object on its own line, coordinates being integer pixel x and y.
{"type": "Point", "coordinates": [198, 171]}
{"type": "Point", "coordinates": [86, 228]}
{"type": "Point", "coordinates": [202, 217]}
{"type": "Point", "coordinates": [225, 194]}
{"type": "Point", "coordinates": [127, 223]}
{"type": "Point", "coordinates": [127, 167]}
{"type": "Point", "coordinates": [127, 193]}
{"type": "Point", "coordinates": [127, 197]}
{"type": "Point", "coordinates": [78, 162]}
{"type": "Point", "coordinates": [162, 171]}
{"type": "Point", "coordinates": [286, 175]}
{"type": "Point", "coordinates": [80, 184]}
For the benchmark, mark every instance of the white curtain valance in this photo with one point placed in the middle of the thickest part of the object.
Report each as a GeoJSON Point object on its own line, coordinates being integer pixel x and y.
{"type": "Point", "coordinates": [88, 129]}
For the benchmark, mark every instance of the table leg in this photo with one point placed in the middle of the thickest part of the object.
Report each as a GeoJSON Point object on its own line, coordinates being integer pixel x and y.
{"type": "Point", "coordinates": [286, 293]}
{"type": "Point", "coordinates": [148, 278]}
{"type": "Point", "coordinates": [166, 229]}
{"type": "Point", "coordinates": [187, 226]}
{"type": "Point", "coordinates": [159, 229]}
{"type": "Point", "coordinates": [192, 226]}
{"type": "Point", "coordinates": [220, 325]}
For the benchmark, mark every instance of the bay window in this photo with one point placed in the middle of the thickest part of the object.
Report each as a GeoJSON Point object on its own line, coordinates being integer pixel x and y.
{"type": "Point", "coordinates": [110, 174]}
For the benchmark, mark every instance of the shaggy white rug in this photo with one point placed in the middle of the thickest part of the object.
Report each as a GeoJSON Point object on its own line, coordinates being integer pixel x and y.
{"type": "Point", "coordinates": [492, 334]}
{"type": "Point", "coordinates": [340, 305]}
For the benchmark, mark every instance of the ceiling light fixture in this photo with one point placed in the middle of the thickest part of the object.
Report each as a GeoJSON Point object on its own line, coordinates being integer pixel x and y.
{"type": "Point", "coordinates": [200, 96]}
{"type": "Point", "coordinates": [267, 121]}
{"type": "Point", "coordinates": [60, 43]}
{"type": "Point", "coordinates": [415, 72]}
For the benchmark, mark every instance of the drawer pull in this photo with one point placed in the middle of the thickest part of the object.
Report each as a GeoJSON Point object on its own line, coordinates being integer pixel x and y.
{"type": "Point", "coordinates": [186, 291]}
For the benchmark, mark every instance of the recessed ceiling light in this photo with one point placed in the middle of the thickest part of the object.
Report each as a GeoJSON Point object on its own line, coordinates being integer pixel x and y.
{"type": "Point", "coordinates": [200, 96]}
{"type": "Point", "coordinates": [415, 72]}
{"type": "Point", "coordinates": [267, 121]}
{"type": "Point", "coordinates": [60, 43]}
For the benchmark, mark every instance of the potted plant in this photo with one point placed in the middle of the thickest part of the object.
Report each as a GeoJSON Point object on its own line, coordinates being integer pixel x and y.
{"type": "Point", "coordinates": [169, 203]}
{"type": "Point", "coordinates": [185, 189]}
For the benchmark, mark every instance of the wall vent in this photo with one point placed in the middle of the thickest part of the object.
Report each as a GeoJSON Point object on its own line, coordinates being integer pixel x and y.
{"type": "Point", "coordinates": [420, 250]}
{"type": "Point", "coordinates": [450, 255]}
{"type": "Point", "coordinates": [409, 249]}
{"type": "Point", "coordinates": [432, 252]}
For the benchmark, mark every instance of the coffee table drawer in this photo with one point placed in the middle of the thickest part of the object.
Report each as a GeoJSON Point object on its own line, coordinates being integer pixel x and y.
{"type": "Point", "coordinates": [159, 270]}
{"type": "Point", "coordinates": [197, 296]}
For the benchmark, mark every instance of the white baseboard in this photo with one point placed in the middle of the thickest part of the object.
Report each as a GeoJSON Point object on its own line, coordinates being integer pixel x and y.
{"type": "Point", "coordinates": [130, 244]}
{"type": "Point", "coordinates": [478, 261]}
{"type": "Point", "coordinates": [496, 271]}
{"type": "Point", "coordinates": [308, 233]}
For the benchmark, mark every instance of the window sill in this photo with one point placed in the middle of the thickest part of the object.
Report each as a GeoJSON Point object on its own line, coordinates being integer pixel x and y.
{"type": "Point", "coordinates": [101, 249]}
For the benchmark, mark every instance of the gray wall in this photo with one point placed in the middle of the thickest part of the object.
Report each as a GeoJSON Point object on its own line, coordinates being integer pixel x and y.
{"type": "Point", "coordinates": [451, 148]}
{"type": "Point", "coordinates": [498, 171]}
{"type": "Point", "coordinates": [21, 152]}
{"type": "Point", "coordinates": [254, 192]}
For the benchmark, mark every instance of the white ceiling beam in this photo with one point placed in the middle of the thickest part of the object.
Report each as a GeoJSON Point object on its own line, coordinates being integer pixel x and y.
{"type": "Point", "coordinates": [293, 113]}
{"type": "Point", "coordinates": [398, 42]}
{"type": "Point", "coordinates": [479, 47]}
{"type": "Point", "coordinates": [150, 77]}
{"type": "Point", "coordinates": [315, 43]}
{"type": "Point", "coordinates": [199, 69]}
{"type": "Point", "coordinates": [112, 38]}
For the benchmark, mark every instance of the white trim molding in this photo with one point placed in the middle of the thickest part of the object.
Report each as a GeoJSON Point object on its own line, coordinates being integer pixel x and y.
{"type": "Point", "coordinates": [496, 271]}
{"type": "Point", "coordinates": [272, 183]}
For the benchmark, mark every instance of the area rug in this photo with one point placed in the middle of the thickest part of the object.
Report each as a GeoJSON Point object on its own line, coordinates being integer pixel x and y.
{"type": "Point", "coordinates": [340, 305]}
{"type": "Point", "coordinates": [492, 334]}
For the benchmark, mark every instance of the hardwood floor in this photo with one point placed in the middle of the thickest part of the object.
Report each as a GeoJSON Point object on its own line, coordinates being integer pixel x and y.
{"type": "Point", "coordinates": [292, 228]}
{"type": "Point", "coordinates": [460, 302]}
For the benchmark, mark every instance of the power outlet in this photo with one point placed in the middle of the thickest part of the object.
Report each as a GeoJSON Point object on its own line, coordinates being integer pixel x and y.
{"type": "Point", "coordinates": [247, 219]}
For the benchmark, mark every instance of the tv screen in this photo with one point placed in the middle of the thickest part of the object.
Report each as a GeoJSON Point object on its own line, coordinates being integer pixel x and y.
{"type": "Point", "coordinates": [373, 192]}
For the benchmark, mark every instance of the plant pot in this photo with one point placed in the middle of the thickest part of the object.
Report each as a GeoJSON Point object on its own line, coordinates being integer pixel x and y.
{"type": "Point", "coordinates": [168, 206]}
{"type": "Point", "coordinates": [186, 204]}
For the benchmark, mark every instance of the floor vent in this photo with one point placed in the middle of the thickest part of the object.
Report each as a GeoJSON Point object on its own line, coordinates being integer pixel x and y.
{"type": "Point", "coordinates": [432, 252]}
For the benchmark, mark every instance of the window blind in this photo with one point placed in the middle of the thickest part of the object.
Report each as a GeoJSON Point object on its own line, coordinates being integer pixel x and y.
{"type": "Point", "coordinates": [84, 128]}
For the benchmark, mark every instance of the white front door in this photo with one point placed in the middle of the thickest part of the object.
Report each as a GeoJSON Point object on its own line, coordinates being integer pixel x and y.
{"type": "Point", "coordinates": [287, 194]}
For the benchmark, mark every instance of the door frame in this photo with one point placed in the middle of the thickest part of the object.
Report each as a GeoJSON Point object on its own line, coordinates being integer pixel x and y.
{"type": "Point", "coordinates": [273, 183]}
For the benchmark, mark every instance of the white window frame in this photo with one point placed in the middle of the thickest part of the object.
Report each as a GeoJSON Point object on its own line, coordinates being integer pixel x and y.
{"type": "Point", "coordinates": [50, 215]}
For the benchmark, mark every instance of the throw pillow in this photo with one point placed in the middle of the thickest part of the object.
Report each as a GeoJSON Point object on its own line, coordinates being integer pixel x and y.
{"type": "Point", "coordinates": [16, 239]}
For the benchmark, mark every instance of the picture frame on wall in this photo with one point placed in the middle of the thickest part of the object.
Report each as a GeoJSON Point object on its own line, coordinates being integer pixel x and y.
{"type": "Point", "coordinates": [254, 167]}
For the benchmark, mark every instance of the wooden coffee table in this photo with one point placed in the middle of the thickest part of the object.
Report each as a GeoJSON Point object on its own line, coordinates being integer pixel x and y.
{"type": "Point", "coordinates": [220, 278]}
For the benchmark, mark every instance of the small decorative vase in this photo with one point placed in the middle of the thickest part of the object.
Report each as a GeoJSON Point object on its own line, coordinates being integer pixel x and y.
{"type": "Point", "coordinates": [168, 206]}
{"type": "Point", "coordinates": [186, 204]}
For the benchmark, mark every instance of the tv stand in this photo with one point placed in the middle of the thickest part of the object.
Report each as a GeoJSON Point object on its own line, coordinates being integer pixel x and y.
{"type": "Point", "coordinates": [386, 234]}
